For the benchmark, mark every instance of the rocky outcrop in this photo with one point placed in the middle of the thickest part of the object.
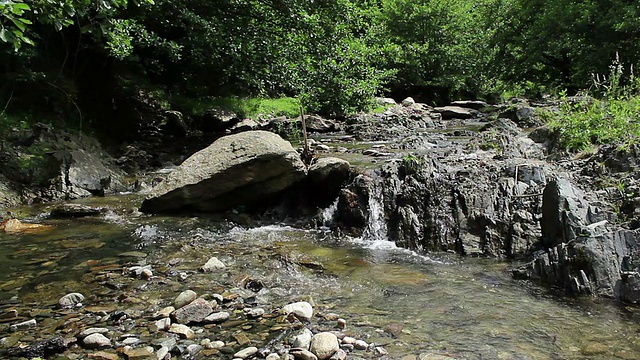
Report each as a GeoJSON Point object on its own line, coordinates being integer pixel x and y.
{"type": "Point", "coordinates": [82, 173]}
{"type": "Point", "coordinates": [456, 112]}
{"type": "Point", "coordinates": [243, 169]}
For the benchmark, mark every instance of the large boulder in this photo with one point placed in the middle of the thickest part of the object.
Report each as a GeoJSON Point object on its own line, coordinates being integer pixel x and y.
{"type": "Point", "coordinates": [83, 173]}
{"type": "Point", "coordinates": [455, 112]}
{"type": "Point", "coordinates": [241, 169]}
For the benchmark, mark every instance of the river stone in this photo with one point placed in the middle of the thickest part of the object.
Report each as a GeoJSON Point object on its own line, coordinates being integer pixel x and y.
{"type": "Point", "coordinates": [273, 356]}
{"type": "Point", "coordinates": [245, 353]}
{"type": "Point", "coordinates": [90, 331]}
{"type": "Point", "coordinates": [83, 173]}
{"type": "Point", "coordinates": [23, 325]}
{"type": "Point", "coordinates": [324, 344]}
{"type": "Point", "coordinates": [213, 264]}
{"type": "Point", "coordinates": [41, 348]}
{"type": "Point", "coordinates": [193, 349]}
{"type": "Point", "coordinates": [104, 355]}
{"type": "Point", "coordinates": [303, 339]}
{"type": "Point", "coordinates": [162, 324]}
{"type": "Point", "coordinates": [317, 124]}
{"type": "Point", "coordinates": [326, 177]}
{"type": "Point", "coordinates": [143, 353]}
{"type": "Point", "coordinates": [455, 112]}
{"type": "Point", "coordinates": [302, 354]}
{"type": "Point", "coordinates": [339, 355]}
{"type": "Point", "coordinates": [184, 298]}
{"type": "Point", "coordinates": [408, 101]}
{"type": "Point", "coordinates": [75, 210]}
{"type": "Point", "coordinates": [162, 352]}
{"type": "Point", "coordinates": [360, 345]}
{"type": "Point", "coordinates": [217, 317]}
{"type": "Point", "coordinates": [564, 212]}
{"type": "Point", "coordinates": [194, 312]}
{"type": "Point", "coordinates": [242, 169]}
{"type": "Point", "coordinates": [301, 309]}
{"type": "Point", "coordinates": [472, 104]}
{"type": "Point", "coordinates": [431, 356]}
{"type": "Point", "coordinates": [71, 300]}
{"type": "Point", "coordinates": [96, 340]}
{"type": "Point", "coordinates": [183, 330]}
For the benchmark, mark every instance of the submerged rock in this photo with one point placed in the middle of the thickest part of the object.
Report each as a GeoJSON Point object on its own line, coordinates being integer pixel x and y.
{"type": "Point", "coordinates": [71, 300]}
{"type": "Point", "coordinates": [243, 169]}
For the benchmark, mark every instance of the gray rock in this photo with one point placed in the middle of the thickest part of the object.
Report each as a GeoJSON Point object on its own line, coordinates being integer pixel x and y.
{"type": "Point", "coordinates": [90, 331]}
{"type": "Point", "coordinates": [75, 210]}
{"type": "Point", "coordinates": [253, 313]}
{"type": "Point", "coordinates": [273, 356]}
{"type": "Point", "coordinates": [84, 174]}
{"type": "Point", "coordinates": [386, 101]}
{"type": "Point", "coordinates": [184, 298]}
{"type": "Point", "coordinates": [408, 101]}
{"type": "Point", "coordinates": [194, 312]}
{"type": "Point", "coordinates": [320, 125]}
{"type": "Point", "coordinates": [217, 317]}
{"type": "Point", "coordinates": [301, 309]}
{"type": "Point", "coordinates": [302, 354]}
{"type": "Point", "coordinates": [96, 341]}
{"type": "Point", "coordinates": [360, 345]}
{"type": "Point", "coordinates": [564, 212]}
{"type": "Point", "coordinates": [182, 330]}
{"type": "Point", "coordinates": [473, 104]}
{"type": "Point", "coordinates": [162, 324]}
{"type": "Point", "coordinates": [339, 355]}
{"type": "Point", "coordinates": [241, 169]}
{"type": "Point", "coordinates": [324, 345]}
{"type": "Point", "coordinates": [213, 264]}
{"type": "Point", "coordinates": [71, 300]}
{"type": "Point", "coordinates": [246, 352]}
{"type": "Point", "coordinates": [193, 349]}
{"type": "Point", "coordinates": [302, 339]}
{"type": "Point", "coordinates": [455, 112]}
{"type": "Point", "coordinates": [162, 352]}
{"type": "Point", "coordinates": [23, 325]}
{"type": "Point", "coordinates": [245, 125]}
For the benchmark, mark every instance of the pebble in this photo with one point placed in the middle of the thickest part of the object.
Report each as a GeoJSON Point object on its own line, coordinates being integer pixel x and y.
{"type": "Point", "coordinates": [71, 300]}
{"type": "Point", "coordinates": [182, 330]}
{"type": "Point", "coordinates": [339, 355]}
{"type": "Point", "coordinates": [303, 339]}
{"type": "Point", "coordinates": [361, 345]}
{"type": "Point", "coordinates": [195, 311]}
{"type": "Point", "coordinates": [23, 325]}
{"type": "Point", "coordinates": [130, 341]}
{"type": "Point", "coordinates": [348, 340]}
{"type": "Point", "coordinates": [164, 313]}
{"type": "Point", "coordinates": [193, 349]}
{"type": "Point", "coordinates": [342, 324]}
{"type": "Point", "coordinates": [273, 356]}
{"type": "Point", "coordinates": [96, 340]}
{"type": "Point", "coordinates": [301, 309]}
{"type": "Point", "coordinates": [254, 312]}
{"type": "Point", "coordinates": [324, 345]}
{"type": "Point", "coordinates": [162, 324]}
{"type": "Point", "coordinates": [142, 353]}
{"type": "Point", "coordinates": [246, 352]}
{"type": "Point", "coordinates": [162, 352]}
{"type": "Point", "coordinates": [380, 351]}
{"type": "Point", "coordinates": [90, 331]}
{"type": "Point", "coordinates": [103, 355]}
{"type": "Point", "coordinates": [217, 317]}
{"type": "Point", "coordinates": [302, 354]}
{"type": "Point", "coordinates": [213, 264]}
{"type": "Point", "coordinates": [146, 274]}
{"type": "Point", "coordinates": [184, 298]}
{"type": "Point", "coordinates": [331, 317]}
{"type": "Point", "coordinates": [208, 344]}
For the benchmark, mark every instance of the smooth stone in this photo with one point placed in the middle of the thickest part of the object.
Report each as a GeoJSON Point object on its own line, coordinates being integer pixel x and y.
{"type": "Point", "coordinates": [302, 354]}
{"type": "Point", "coordinates": [361, 345]}
{"type": "Point", "coordinates": [273, 356]}
{"type": "Point", "coordinates": [303, 339]}
{"type": "Point", "coordinates": [143, 353]}
{"type": "Point", "coordinates": [331, 317]}
{"type": "Point", "coordinates": [301, 309]}
{"type": "Point", "coordinates": [130, 341]}
{"type": "Point", "coordinates": [23, 325]}
{"type": "Point", "coordinates": [208, 344]}
{"type": "Point", "coordinates": [103, 355]}
{"type": "Point", "coordinates": [594, 348]}
{"type": "Point", "coordinates": [408, 101]}
{"type": "Point", "coordinates": [90, 331]}
{"type": "Point", "coordinates": [339, 355]}
{"type": "Point", "coordinates": [194, 312]}
{"type": "Point", "coordinates": [183, 330]}
{"type": "Point", "coordinates": [96, 340]}
{"type": "Point", "coordinates": [162, 324]}
{"type": "Point", "coordinates": [348, 340]}
{"type": "Point", "coordinates": [162, 352]}
{"type": "Point", "coordinates": [245, 353]}
{"type": "Point", "coordinates": [342, 324]}
{"type": "Point", "coordinates": [217, 317]}
{"type": "Point", "coordinates": [193, 349]}
{"type": "Point", "coordinates": [71, 300]}
{"type": "Point", "coordinates": [213, 264]}
{"type": "Point", "coordinates": [324, 345]}
{"type": "Point", "coordinates": [254, 312]}
{"type": "Point", "coordinates": [184, 298]}
{"type": "Point", "coordinates": [379, 351]}
{"type": "Point", "coordinates": [146, 274]}
{"type": "Point", "coordinates": [164, 313]}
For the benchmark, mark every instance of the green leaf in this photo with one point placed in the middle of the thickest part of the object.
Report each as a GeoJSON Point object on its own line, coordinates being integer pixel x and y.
{"type": "Point", "coordinates": [3, 35]}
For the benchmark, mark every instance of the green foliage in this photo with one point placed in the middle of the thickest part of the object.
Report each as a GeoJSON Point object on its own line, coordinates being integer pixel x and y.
{"type": "Point", "coordinates": [244, 107]}
{"type": "Point", "coordinates": [613, 120]}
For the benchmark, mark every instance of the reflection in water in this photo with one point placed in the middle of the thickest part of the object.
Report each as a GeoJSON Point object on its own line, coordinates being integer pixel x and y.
{"type": "Point", "coordinates": [466, 308]}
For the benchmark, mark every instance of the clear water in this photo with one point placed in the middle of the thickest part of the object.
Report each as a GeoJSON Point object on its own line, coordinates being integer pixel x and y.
{"type": "Point", "coordinates": [412, 304]}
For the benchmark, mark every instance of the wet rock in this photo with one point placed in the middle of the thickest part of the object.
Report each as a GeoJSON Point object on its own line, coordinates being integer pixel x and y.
{"type": "Point", "coordinates": [302, 354]}
{"type": "Point", "coordinates": [473, 104]}
{"type": "Point", "coordinates": [184, 298]}
{"type": "Point", "coordinates": [242, 169]}
{"type": "Point", "coordinates": [143, 353]}
{"type": "Point", "coordinates": [217, 317]}
{"type": "Point", "coordinates": [324, 345]}
{"type": "Point", "coordinates": [455, 112]}
{"type": "Point", "coordinates": [83, 173]}
{"type": "Point", "coordinates": [320, 125]}
{"type": "Point", "coordinates": [212, 264]}
{"type": "Point", "coordinates": [75, 210]}
{"type": "Point", "coordinates": [216, 120]}
{"type": "Point", "coordinates": [301, 309]}
{"type": "Point", "coordinates": [360, 345]}
{"type": "Point", "coordinates": [594, 348]}
{"type": "Point", "coordinates": [339, 355]}
{"type": "Point", "coordinates": [41, 348]}
{"type": "Point", "coordinates": [90, 331]}
{"type": "Point", "coordinates": [71, 300]}
{"type": "Point", "coordinates": [303, 339]}
{"type": "Point", "coordinates": [326, 178]}
{"type": "Point", "coordinates": [253, 313]}
{"type": "Point", "coordinates": [15, 226]}
{"type": "Point", "coordinates": [23, 325]}
{"type": "Point", "coordinates": [193, 349]}
{"type": "Point", "coordinates": [273, 356]}
{"type": "Point", "coordinates": [523, 115]}
{"type": "Point", "coordinates": [194, 312]}
{"type": "Point", "coordinates": [162, 353]}
{"type": "Point", "coordinates": [246, 353]}
{"type": "Point", "coordinates": [96, 341]}
{"type": "Point", "coordinates": [564, 212]}
{"type": "Point", "coordinates": [182, 330]}
{"type": "Point", "coordinates": [379, 351]}
{"type": "Point", "coordinates": [103, 355]}
{"type": "Point", "coordinates": [162, 324]}
{"type": "Point", "coordinates": [341, 324]}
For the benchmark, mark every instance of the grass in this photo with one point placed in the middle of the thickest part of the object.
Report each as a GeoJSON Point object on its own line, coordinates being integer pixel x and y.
{"type": "Point", "coordinates": [244, 107]}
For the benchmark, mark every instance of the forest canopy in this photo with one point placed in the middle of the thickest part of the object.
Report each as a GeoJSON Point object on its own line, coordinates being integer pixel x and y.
{"type": "Point", "coordinates": [334, 55]}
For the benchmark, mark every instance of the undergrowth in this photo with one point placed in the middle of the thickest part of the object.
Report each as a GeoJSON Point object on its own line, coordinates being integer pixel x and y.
{"type": "Point", "coordinates": [243, 107]}
{"type": "Point", "coordinates": [612, 117]}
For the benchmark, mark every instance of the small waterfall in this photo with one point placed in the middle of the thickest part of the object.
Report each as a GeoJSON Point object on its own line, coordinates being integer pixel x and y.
{"type": "Point", "coordinates": [376, 229]}
{"type": "Point", "coordinates": [328, 215]}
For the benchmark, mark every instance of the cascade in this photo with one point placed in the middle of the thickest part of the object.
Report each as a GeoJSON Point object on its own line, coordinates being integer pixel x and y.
{"type": "Point", "coordinates": [376, 229]}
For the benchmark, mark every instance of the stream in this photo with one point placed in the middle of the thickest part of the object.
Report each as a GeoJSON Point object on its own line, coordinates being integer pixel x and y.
{"type": "Point", "coordinates": [413, 305]}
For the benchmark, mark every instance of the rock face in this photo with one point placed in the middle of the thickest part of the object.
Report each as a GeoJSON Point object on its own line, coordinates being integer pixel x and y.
{"type": "Point", "coordinates": [82, 174]}
{"type": "Point", "coordinates": [455, 112]}
{"type": "Point", "coordinates": [242, 169]}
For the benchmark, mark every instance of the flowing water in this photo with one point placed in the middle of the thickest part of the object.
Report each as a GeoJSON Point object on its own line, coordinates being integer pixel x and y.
{"type": "Point", "coordinates": [460, 307]}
